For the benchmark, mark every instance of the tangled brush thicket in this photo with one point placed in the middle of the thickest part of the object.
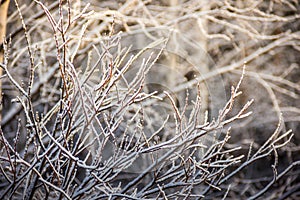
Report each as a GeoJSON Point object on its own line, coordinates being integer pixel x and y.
{"type": "Point", "coordinates": [139, 99]}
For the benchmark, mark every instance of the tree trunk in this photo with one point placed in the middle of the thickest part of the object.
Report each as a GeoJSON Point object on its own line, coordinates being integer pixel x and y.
{"type": "Point", "coordinates": [3, 18]}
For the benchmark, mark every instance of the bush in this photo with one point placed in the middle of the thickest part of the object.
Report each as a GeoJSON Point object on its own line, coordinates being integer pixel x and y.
{"type": "Point", "coordinates": [133, 100]}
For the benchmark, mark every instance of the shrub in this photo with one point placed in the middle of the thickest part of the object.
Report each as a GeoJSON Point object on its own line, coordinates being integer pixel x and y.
{"type": "Point", "coordinates": [110, 104]}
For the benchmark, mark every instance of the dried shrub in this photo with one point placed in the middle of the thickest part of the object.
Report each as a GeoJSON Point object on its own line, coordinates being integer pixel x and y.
{"type": "Point", "coordinates": [133, 100]}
